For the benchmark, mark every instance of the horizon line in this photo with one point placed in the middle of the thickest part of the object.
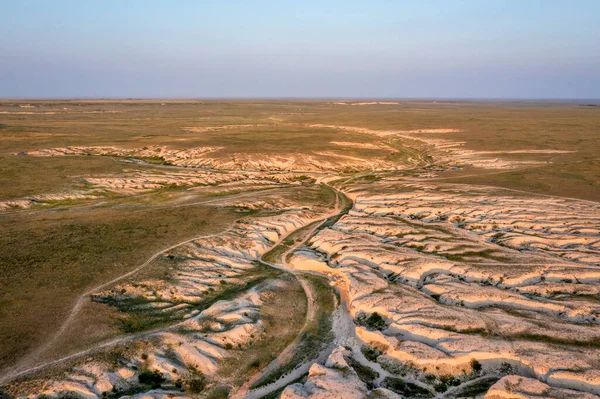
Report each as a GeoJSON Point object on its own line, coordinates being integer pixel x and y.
{"type": "Point", "coordinates": [305, 98]}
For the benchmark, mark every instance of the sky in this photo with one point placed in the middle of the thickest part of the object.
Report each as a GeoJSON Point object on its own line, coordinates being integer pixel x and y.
{"type": "Point", "coordinates": [300, 48]}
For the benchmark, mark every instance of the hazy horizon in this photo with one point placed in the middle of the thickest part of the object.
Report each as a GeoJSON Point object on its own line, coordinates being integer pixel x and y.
{"type": "Point", "coordinates": [452, 50]}
{"type": "Point", "coordinates": [315, 98]}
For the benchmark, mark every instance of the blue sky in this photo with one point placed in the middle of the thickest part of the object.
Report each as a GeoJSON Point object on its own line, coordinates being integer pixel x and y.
{"type": "Point", "coordinates": [259, 48]}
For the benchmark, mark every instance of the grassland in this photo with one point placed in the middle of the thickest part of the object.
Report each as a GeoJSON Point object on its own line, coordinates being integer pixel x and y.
{"type": "Point", "coordinates": [52, 257]}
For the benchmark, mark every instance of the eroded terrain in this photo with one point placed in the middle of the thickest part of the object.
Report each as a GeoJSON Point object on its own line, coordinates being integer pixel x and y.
{"type": "Point", "coordinates": [361, 265]}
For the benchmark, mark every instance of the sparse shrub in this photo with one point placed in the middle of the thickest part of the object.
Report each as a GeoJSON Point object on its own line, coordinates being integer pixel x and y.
{"type": "Point", "coordinates": [370, 353]}
{"type": "Point", "coordinates": [449, 379]}
{"type": "Point", "coordinates": [373, 322]}
{"type": "Point", "coordinates": [196, 385]}
{"type": "Point", "coordinates": [228, 346]}
{"type": "Point", "coordinates": [152, 378]}
{"type": "Point", "coordinates": [220, 392]}
{"type": "Point", "coordinates": [507, 369]}
{"type": "Point", "coordinates": [508, 386]}
{"type": "Point", "coordinates": [405, 388]}
{"type": "Point", "coordinates": [365, 373]}
{"type": "Point", "coordinates": [70, 395]}
{"type": "Point", "coordinates": [476, 366]}
{"type": "Point", "coordinates": [394, 366]}
{"type": "Point", "coordinates": [441, 387]}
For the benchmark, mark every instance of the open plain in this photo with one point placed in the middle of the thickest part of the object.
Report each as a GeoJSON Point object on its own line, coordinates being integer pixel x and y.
{"type": "Point", "coordinates": [299, 249]}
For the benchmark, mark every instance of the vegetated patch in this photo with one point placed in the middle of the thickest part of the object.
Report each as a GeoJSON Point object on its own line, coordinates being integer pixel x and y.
{"type": "Point", "coordinates": [473, 389]}
{"type": "Point", "coordinates": [438, 383]}
{"type": "Point", "coordinates": [368, 178]}
{"type": "Point", "coordinates": [155, 159]}
{"type": "Point", "coordinates": [277, 393]}
{"type": "Point", "coordinates": [526, 336]}
{"type": "Point", "coordinates": [365, 373]}
{"type": "Point", "coordinates": [274, 255]}
{"type": "Point", "coordinates": [555, 340]}
{"type": "Point", "coordinates": [196, 384]}
{"type": "Point", "coordinates": [465, 256]}
{"type": "Point", "coordinates": [299, 234]}
{"type": "Point", "coordinates": [446, 381]}
{"type": "Point", "coordinates": [283, 313]}
{"type": "Point", "coordinates": [371, 353]}
{"type": "Point", "coordinates": [152, 378]}
{"type": "Point", "coordinates": [346, 204]}
{"type": "Point", "coordinates": [409, 389]}
{"type": "Point", "coordinates": [373, 321]}
{"type": "Point", "coordinates": [316, 335]}
{"type": "Point", "coordinates": [219, 392]}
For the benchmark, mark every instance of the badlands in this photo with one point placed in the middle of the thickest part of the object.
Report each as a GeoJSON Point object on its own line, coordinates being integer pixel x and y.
{"type": "Point", "coordinates": [299, 249]}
